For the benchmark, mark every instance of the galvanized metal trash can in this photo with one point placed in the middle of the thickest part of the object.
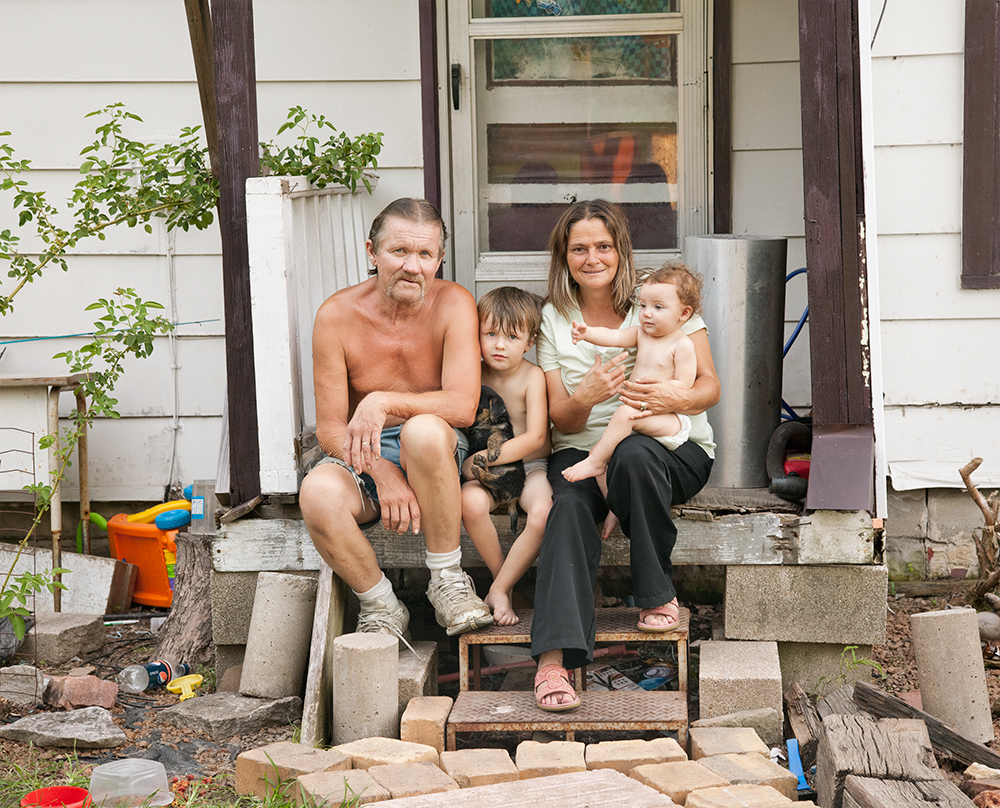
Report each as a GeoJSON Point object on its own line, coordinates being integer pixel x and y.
{"type": "Point", "coordinates": [744, 308]}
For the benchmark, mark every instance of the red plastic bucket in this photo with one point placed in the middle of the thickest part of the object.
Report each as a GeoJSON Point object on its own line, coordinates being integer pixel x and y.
{"type": "Point", "coordinates": [57, 796]}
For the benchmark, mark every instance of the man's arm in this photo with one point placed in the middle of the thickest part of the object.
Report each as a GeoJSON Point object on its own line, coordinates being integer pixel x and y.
{"type": "Point", "coordinates": [329, 381]}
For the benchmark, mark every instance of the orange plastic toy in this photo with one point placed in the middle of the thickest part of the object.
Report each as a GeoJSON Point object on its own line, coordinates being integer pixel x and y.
{"type": "Point", "coordinates": [143, 546]}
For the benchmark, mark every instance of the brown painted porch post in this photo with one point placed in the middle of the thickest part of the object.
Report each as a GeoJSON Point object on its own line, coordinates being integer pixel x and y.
{"type": "Point", "coordinates": [842, 472]}
{"type": "Point", "coordinates": [236, 111]}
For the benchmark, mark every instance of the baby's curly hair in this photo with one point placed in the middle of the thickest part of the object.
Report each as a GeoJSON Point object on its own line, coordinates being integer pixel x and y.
{"type": "Point", "coordinates": [687, 281]}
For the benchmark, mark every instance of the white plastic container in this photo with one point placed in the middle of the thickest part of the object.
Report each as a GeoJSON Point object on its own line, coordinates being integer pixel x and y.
{"type": "Point", "coordinates": [129, 783]}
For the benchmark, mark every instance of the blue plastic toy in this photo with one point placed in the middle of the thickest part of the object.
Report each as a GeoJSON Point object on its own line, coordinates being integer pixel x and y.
{"type": "Point", "coordinates": [172, 520]}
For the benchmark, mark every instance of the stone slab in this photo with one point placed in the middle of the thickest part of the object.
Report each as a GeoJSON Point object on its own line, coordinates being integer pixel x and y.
{"type": "Point", "coordinates": [23, 685]}
{"type": "Point", "coordinates": [57, 637]}
{"type": "Point", "coordinates": [753, 770]}
{"type": "Point", "coordinates": [412, 779]}
{"type": "Point", "coordinates": [738, 676]}
{"type": "Point", "coordinates": [739, 796]}
{"type": "Point", "coordinates": [828, 604]}
{"type": "Point", "coordinates": [424, 720]}
{"type": "Point", "coordinates": [624, 756]}
{"type": "Point", "coordinates": [836, 537]}
{"type": "Point", "coordinates": [338, 788]}
{"type": "Point", "coordinates": [479, 767]}
{"type": "Point", "coordinates": [418, 672]}
{"type": "Point", "coordinates": [260, 772]}
{"type": "Point", "coordinates": [711, 741]}
{"type": "Point", "coordinates": [72, 692]}
{"type": "Point", "coordinates": [368, 752]}
{"type": "Point", "coordinates": [86, 728]}
{"type": "Point", "coordinates": [677, 780]}
{"type": "Point", "coordinates": [536, 759]}
{"type": "Point", "coordinates": [766, 722]}
{"type": "Point", "coordinates": [223, 715]}
{"type": "Point", "coordinates": [605, 788]}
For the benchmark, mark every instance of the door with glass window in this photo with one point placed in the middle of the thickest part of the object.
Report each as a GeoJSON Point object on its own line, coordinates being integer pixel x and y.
{"type": "Point", "coordinates": [554, 101]}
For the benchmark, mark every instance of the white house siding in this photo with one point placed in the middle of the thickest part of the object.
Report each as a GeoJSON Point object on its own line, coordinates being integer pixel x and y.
{"type": "Point", "coordinates": [767, 156]}
{"type": "Point", "coordinates": [356, 63]}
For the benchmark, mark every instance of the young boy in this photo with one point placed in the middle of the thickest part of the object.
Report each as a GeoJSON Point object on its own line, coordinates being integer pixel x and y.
{"type": "Point", "coordinates": [509, 319]}
{"type": "Point", "coordinates": [667, 299]}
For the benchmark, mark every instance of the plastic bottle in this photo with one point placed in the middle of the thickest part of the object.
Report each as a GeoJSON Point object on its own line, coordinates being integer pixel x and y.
{"type": "Point", "coordinates": [138, 678]}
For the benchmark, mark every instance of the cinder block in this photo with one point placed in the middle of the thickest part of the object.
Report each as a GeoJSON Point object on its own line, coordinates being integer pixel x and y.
{"type": "Point", "coordinates": [262, 771]}
{"type": "Point", "coordinates": [837, 537]}
{"type": "Point", "coordinates": [711, 741]}
{"type": "Point", "coordinates": [232, 606]}
{"type": "Point", "coordinates": [369, 752]}
{"type": "Point", "coordinates": [738, 797]}
{"type": "Point", "coordinates": [536, 759]}
{"type": "Point", "coordinates": [424, 719]}
{"type": "Point", "coordinates": [952, 516]}
{"type": "Point", "coordinates": [906, 558]}
{"type": "Point", "coordinates": [417, 672]}
{"type": "Point", "coordinates": [335, 789]}
{"type": "Point", "coordinates": [412, 779]}
{"type": "Point", "coordinates": [907, 514]}
{"type": "Point", "coordinates": [57, 637]}
{"type": "Point", "coordinates": [738, 676]}
{"type": "Point", "coordinates": [766, 722]}
{"type": "Point", "coordinates": [678, 780]}
{"type": "Point", "coordinates": [830, 604]}
{"type": "Point", "coordinates": [624, 756]}
{"type": "Point", "coordinates": [479, 767]}
{"type": "Point", "coordinates": [823, 667]}
{"type": "Point", "coordinates": [754, 770]}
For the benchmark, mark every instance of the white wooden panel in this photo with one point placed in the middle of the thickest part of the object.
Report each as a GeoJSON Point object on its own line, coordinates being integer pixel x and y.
{"type": "Point", "coordinates": [796, 389]}
{"type": "Point", "coordinates": [765, 31]}
{"type": "Point", "coordinates": [107, 40]}
{"type": "Point", "coordinates": [23, 422]}
{"type": "Point", "coordinates": [797, 289]}
{"type": "Point", "coordinates": [918, 99]}
{"type": "Point", "coordinates": [48, 122]}
{"type": "Point", "coordinates": [926, 446]}
{"type": "Point", "coordinates": [369, 40]}
{"type": "Point", "coordinates": [940, 361]}
{"type": "Point", "coordinates": [199, 296]}
{"type": "Point", "coordinates": [919, 189]}
{"type": "Point", "coordinates": [390, 107]}
{"type": "Point", "coordinates": [766, 106]}
{"type": "Point", "coordinates": [918, 26]}
{"type": "Point", "coordinates": [767, 193]}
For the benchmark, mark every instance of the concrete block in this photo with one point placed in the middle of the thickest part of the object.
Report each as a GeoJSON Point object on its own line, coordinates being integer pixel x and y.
{"type": "Point", "coordinates": [952, 516]}
{"type": "Point", "coordinates": [57, 637]}
{"type": "Point", "coordinates": [277, 652]}
{"type": "Point", "coordinates": [338, 788]}
{"type": "Point", "coordinates": [424, 720]}
{"type": "Point", "coordinates": [412, 779]}
{"type": "Point", "coordinates": [418, 672]}
{"type": "Point", "coordinates": [479, 767]}
{"type": "Point", "coordinates": [232, 606]}
{"type": "Point", "coordinates": [739, 676]}
{"type": "Point", "coordinates": [624, 756]}
{"type": "Point", "coordinates": [906, 558]}
{"type": "Point", "coordinates": [823, 667]}
{"type": "Point", "coordinates": [23, 685]}
{"type": "Point", "coordinates": [70, 692]}
{"type": "Point", "coordinates": [832, 604]}
{"type": "Point", "coordinates": [228, 656]}
{"type": "Point", "coordinates": [711, 741]}
{"type": "Point", "coordinates": [907, 514]}
{"type": "Point", "coordinates": [94, 585]}
{"type": "Point", "coordinates": [755, 770]}
{"type": "Point", "coordinates": [268, 769]}
{"type": "Point", "coordinates": [369, 752]}
{"type": "Point", "coordinates": [677, 780]}
{"type": "Point", "coordinates": [229, 682]}
{"type": "Point", "coordinates": [837, 537]}
{"type": "Point", "coordinates": [365, 687]}
{"type": "Point", "coordinates": [951, 671]}
{"type": "Point", "coordinates": [738, 796]}
{"type": "Point", "coordinates": [536, 759]}
{"type": "Point", "coordinates": [766, 722]}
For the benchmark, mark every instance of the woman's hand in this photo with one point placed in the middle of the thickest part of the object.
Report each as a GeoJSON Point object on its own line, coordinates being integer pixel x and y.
{"type": "Point", "coordinates": [652, 397]}
{"type": "Point", "coordinates": [363, 441]}
{"type": "Point", "coordinates": [603, 380]}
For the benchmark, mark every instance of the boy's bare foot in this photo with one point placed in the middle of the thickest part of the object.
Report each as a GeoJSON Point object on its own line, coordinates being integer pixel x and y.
{"type": "Point", "coordinates": [584, 469]}
{"type": "Point", "coordinates": [503, 610]}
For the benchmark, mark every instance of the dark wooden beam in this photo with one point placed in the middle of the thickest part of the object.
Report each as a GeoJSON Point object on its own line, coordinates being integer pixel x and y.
{"type": "Point", "coordinates": [236, 109]}
{"type": "Point", "coordinates": [722, 115]}
{"type": "Point", "coordinates": [981, 147]}
{"type": "Point", "coordinates": [429, 102]}
{"type": "Point", "coordinates": [199, 18]}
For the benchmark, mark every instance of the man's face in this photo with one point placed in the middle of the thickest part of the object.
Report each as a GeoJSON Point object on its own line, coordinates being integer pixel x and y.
{"type": "Point", "coordinates": [409, 254]}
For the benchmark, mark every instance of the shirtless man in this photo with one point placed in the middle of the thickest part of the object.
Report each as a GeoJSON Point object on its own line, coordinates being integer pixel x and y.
{"type": "Point", "coordinates": [396, 372]}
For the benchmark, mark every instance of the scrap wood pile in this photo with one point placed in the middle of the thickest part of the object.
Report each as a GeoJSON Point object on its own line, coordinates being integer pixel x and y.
{"type": "Point", "coordinates": [871, 748]}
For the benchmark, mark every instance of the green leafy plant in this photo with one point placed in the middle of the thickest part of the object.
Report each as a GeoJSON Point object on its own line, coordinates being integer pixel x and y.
{"type": "Point", "coordinates": [340, 160]}
{"type": "Point", "coordinates": [850, 663]}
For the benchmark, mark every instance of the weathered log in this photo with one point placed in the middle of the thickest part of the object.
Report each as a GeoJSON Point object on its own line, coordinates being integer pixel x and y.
{"type": "Point", "coordinates": [944, 739]}
{"type": "Point", "coordinates": [187, 632]}
{"type": "Point", "coordinates": [839, 702]}
{"type": "Point", "coordinates": [804, 721]}
{"type": "Point", "coordinates": [866, 792]}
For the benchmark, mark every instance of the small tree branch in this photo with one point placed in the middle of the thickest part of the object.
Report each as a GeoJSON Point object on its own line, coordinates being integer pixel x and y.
{"type": "Point", "coordinates": [966, 471]}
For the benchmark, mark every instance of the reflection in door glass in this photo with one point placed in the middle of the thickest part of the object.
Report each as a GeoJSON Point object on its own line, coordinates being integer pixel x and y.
{"type": "Point", "coordinates": [570, 8]}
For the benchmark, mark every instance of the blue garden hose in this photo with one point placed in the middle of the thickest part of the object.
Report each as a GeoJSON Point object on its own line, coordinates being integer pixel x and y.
{"type": "Point", "coordinates": [791, 414]}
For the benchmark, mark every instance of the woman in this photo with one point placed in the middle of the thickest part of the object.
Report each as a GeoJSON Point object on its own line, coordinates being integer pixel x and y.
{"type": "Point", "coordinates": [592, 278]}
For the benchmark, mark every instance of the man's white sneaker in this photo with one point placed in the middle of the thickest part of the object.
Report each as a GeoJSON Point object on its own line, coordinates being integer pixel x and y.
{"type": "Point", "coordinates": [378, 618]}
{"type": "Point", "coordinates": [457, 606]}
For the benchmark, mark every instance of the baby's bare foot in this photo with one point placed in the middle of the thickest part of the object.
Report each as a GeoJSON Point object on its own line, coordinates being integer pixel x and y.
{"type": "Point", "coordinates": [585, 469]}
{"type": "Point", "coordinates": [503, 611]}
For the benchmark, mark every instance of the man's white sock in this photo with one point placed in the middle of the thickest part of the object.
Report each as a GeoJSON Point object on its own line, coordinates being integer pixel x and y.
{"type": "Point", "coordinates": [381, 591]}
{"type": "Point", "coordinates": [440, 561]}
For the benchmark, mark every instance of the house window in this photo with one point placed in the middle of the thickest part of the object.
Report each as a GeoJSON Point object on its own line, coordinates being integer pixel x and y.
{"type": "Point", "coordinates": [981, 147]}
{"type": "Point", "coordinates": [561, 100]}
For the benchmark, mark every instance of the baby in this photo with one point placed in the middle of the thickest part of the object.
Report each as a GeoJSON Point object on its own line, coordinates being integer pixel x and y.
{"type": "Point", "coordinates": [667, 299]}
{"type": "Point", "coordinates": [509, 319]}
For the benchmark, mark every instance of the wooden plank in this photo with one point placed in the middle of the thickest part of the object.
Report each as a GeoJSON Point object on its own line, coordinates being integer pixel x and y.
{"type": "Point", "coordinates": [944, 739]}
{"type": "Point", "coordinates": [328, 624]}
{"type": "Point", "coordinates": [839, 702]}
{"type": "Point", "coordinates": [867, 792]}
{"type": "Point", "coordinates": [251, 545]}
{"type": "Point", "coordinates": [804, 721]}
{"type": "Point", "coordinates": [722, 114]}
{"type": "Point", "coordinates": [236, 110]}
{"type": "Point", "coordinates": [429, 102]}
{"type": "Point", "coordinates": [199, 17]}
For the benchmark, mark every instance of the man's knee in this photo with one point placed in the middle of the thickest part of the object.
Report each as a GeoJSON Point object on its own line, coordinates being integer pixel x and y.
{"type": "Point", "coordinates": [329, 488]}
{"type": "Point", "coordinates": [426, 435]}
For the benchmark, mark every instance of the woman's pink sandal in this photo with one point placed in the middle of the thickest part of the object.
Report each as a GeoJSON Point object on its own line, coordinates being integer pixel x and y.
{"type": "Point", "coordinates": [550, 680]}
{"type": "Point", "coordinates": [672, 611]}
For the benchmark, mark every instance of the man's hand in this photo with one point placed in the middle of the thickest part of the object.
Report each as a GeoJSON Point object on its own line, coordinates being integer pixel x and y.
{"type": "Point", "coordinates": [398, 503]}
{"type": "Point", "coordinates": [363, 440]}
